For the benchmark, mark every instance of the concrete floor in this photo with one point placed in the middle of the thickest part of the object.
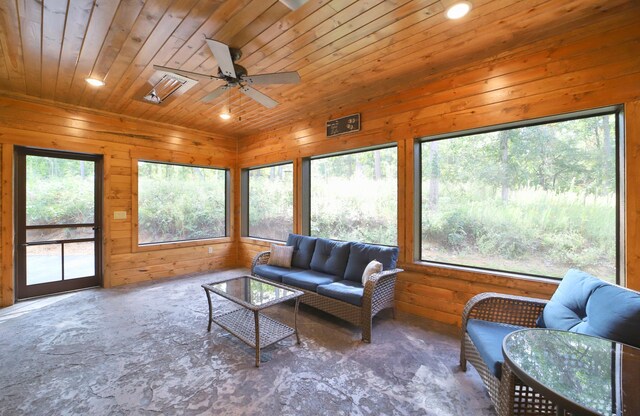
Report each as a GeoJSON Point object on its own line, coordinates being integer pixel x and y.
{"type": "Point", "coordinates": [144, 349]}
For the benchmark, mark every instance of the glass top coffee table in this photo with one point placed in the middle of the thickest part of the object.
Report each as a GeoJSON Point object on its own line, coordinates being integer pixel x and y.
{"type": "Point", "coordinates": [581, 374]}
{"type": "Point", "coordinates": [252, 295]}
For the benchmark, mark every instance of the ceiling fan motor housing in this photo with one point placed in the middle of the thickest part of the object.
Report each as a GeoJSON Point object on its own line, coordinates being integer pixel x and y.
{"type": "Point", "coordinates": [240, 72]}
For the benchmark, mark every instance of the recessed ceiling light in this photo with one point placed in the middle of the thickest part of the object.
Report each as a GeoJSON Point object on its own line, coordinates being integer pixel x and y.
{"type": "Point", "coordinates": [95, 82]}
{"type": "Point", "coordinates": [225, 116]}
{"type": "Point", "coordinates": [458, 10]}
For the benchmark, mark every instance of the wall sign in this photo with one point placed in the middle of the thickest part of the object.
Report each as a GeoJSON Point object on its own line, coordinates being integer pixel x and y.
{"type": "Point", "coordinates": [343, 125]}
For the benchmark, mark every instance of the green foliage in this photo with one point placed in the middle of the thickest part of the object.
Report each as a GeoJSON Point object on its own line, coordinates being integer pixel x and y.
{"type": "Point", "coordinates": [354, 197]}
{"type": "Point", "coordinates": [60, 201]}
{"type": "Point", "coordinates": [537, 199]}
{"type": "Point", "coordinates": [180, 203]}
{"type": "Point", "coordinates": [271, 202]}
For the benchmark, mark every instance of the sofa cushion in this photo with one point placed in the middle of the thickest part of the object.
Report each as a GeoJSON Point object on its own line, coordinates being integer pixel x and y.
{"type": "Point", "coordinates": [487, 337]}
{"type": "Point", "coordinates": [330, 257]}
{"type": "Point", "coordinates": [345, 290]}
{"type": "Point", "coordinates": [587, 305]}
{"type": "Point", "coordinates": [361, 254]}
{"type": "Point", "coordinates": [308, 279]}
{"type": "Point", "coordinates": [274, 273]}
{"type": "Point", "coordinates": [303, 247]}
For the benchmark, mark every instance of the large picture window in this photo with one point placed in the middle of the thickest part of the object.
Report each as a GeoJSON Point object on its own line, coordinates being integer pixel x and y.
{"type": "Point", "coordinates": [537, 200]}
{"type": "Point", "coordinates": [271, 202]}
{"type": "Point", "coordinates": [353, 197]}
{"type": "Point", "coordinates": [179, 203]}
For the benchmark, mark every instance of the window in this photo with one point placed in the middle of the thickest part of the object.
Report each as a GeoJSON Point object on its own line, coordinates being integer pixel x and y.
{"type": "Point", "coordinates": [536, 200]}
{"type": "Point", "coordinates": [353, 197]}
{"type": "Point", "coordinates": [270, 204]}
{"type": "Point", "coordinates": [179, 203]}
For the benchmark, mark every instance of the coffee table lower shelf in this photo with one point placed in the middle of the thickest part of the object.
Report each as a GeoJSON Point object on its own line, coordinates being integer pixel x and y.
{"type": "Point", "coordinates": [242, 323]}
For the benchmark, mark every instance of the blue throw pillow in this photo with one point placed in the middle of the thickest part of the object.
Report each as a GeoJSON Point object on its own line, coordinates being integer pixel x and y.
{"type": "Point", "coordinates": [361, 254]}
{"type": "Point", "coordinates": [303, 247]}
{"type": "Point", "coordinates": [330, 257]}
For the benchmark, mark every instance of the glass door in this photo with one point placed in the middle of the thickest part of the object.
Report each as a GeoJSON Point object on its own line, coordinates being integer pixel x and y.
{"type": "Point", "coordinates": [58, 214]}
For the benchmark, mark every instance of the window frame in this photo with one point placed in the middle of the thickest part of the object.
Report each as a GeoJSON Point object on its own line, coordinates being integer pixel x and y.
{"type": "Point", "coordinates": [306, 186]}
{"type": "Point", "coordinates": [616, 110]}
{"type": "Point", "coordinates": [135, 229]}
{"type": "Point", "coordinates": [245, 196]}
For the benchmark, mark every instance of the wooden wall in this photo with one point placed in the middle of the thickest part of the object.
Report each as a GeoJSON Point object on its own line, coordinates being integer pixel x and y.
{"type": "Point", "coordinates": [121, 141]}
{"type": "Point", "coordinates": [595, 66]}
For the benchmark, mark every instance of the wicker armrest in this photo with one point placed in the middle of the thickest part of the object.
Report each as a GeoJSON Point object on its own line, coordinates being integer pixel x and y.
{"type": "Point", "coordinates": [260, 258]}
{"type": "Point", "coordinates": [508, 309]}
{"type": "Point", "coordinates": [377, 278]}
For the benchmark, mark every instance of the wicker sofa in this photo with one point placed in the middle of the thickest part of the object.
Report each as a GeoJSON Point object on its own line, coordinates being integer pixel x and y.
{"type": "Point", "coordinates": [329, 272]}
{"type": "Point", "coordinates": [582, 303]}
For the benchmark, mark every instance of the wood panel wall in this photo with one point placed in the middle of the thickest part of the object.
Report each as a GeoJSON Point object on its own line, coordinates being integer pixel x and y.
{"type": "Point", "coordinates": [595, 66]}
{"type": "Point", "coordinates": [121, 141]}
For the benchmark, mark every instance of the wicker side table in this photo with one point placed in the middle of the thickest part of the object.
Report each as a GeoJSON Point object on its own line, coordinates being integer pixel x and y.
{"type": "Point", "coordinates": [253, 294]}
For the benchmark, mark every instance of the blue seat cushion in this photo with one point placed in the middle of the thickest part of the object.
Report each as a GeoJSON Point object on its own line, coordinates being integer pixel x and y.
{"type": "Point", "coordinates": [487, 337]}
{"type": "Point", "coordinates": [587, 305]}
{"type": "Point", "coordinates": [308, 279]}
{"type": "Point", "coordinates": [361, 254]}
{"type": "Point", "coordinates": [303, 247]}
{"type": "Point", "coordinates": [274, 273]}
{"type": "Point", "coordinates": [344, 290]}
{"type": "Point", "coordinates": [330, 257]}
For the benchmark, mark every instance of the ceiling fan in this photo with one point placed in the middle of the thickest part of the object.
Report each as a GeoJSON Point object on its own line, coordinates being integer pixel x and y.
{"type": "Point", "coordinates": [236, 75]}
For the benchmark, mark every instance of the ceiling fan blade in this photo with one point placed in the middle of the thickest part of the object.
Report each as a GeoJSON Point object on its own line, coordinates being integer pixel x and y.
{"type": "Point", "coordinates": [223, 55]}
{"type": "Point", "coordinates": [215, 93]}
{"type": "Point", "coordinates": [259, 97]}
{"type": "Point", "coordinates": [276, 78]}
{"type": "Point", "coordinates": [183, 73]}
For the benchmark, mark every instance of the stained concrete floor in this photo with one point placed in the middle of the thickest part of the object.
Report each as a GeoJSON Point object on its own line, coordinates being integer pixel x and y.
{"type": "Point", "coordinates": [144, 350]}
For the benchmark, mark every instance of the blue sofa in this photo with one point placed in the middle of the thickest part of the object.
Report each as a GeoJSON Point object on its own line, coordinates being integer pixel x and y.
{"type": "Point", "coordinates": [582, 303]}
{"type": "Point", "coordinates": [329, 272]}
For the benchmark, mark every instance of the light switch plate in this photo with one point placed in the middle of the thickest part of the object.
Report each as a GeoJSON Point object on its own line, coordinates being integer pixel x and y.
{"type": "Point", "coordinates": [119, 215]}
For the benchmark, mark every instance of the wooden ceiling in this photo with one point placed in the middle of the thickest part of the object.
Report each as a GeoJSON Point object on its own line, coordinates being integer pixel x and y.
{"type": "Point", "coordinates": [346, 51]}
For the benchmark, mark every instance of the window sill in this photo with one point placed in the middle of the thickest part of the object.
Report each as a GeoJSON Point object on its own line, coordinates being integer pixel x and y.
{"type": "Point", "coordinates": [181, 244]}
{"type": "Point", "coordinates": [260, 241]}
{"type": "Point", "coordinates": [420, 265]}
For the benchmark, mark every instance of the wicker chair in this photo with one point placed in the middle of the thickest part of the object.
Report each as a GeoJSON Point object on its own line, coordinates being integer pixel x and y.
{"type": "Point", "coordinates": [508, 394]}
{"type": "Point", "coordinates": [378, 295]}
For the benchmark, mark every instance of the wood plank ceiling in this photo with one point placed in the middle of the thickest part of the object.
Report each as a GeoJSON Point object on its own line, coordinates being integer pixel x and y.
{"type": "Point", "coordinates": [346, 51]}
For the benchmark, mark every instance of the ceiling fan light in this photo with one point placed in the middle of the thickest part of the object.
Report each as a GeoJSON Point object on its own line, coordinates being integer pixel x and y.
{"type": "Point", "coordinates": [293, 4]}
{"type": "Point", "coordinates": [94, 82]}
{"type": "Point", "coordinates": [225, 116]}
{"type": "Point", "coordinates": [458, 10]}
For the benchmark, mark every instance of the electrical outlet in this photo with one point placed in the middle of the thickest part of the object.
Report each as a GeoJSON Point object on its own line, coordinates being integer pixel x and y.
{"type": "Point", "coordinates": [210, 250]}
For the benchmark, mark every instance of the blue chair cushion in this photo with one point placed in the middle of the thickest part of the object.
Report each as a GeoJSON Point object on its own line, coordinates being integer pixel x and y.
{"type": "Point", "coordinates": [303, 247]}
{"type": "Point", "coordinates": [568, 306]}
{"type": "Point", "coordinates": [487, 337]}
{"type": "Point", "coordinates": [330, 257]}
{"type": "Point", "coordinates": [274, 273]}
{"type": "Point", "coordinates": [308, 279]}
{"type": "Point", "coordinates": [361, 254]}
{"type": "Point", "coordinates": [587, 305]}
{"type": "Point", "coordinates": [344, 290]}
{"type": "Point", "coordinates": [614, 313]}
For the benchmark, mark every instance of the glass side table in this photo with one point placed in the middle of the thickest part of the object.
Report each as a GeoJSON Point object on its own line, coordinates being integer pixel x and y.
{"type": "Point", "coordinates": [581, 374]}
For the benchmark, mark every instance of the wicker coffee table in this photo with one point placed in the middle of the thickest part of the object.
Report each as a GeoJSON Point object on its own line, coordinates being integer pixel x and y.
{"type": "Point", "coordinates": [253, 294]}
